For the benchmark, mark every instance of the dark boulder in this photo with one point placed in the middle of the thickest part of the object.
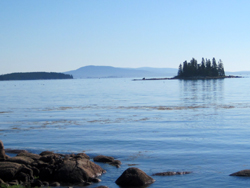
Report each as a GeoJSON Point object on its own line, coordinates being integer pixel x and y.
{"type": "Point", "coordinates": [3, 156]}
{"type": "Point", "coordinates": [8, 170]}
{"type": "Point", "coordinates": [50, 155]}
{"type": "Point", "coordinates": [40, 164]}
{"type": "Point", "coordinates": [76, 172]}
{"type": "Point", "coordinates": [81, 156]}
{"type": "Point", "coordinates": [50, 159]}
{"type": "Point", "coordinates": [46, 174]}
{"type": "Point", "coordinates": [21, 160]}
{"type": "Point", "coordinates": [134, 177]}
{"type": "Point", "coordinates": [1, 145]}
{"type": "Point", "coordinates": [47, 159]}
{"type": "Point", "coordinates": [35, 170]}
{"type": "Point", "coordinates": [22, 177]}
{"type": "Point", "coordinates": [242, 173]}
{"type": "Point", "coordinates": [44, 153]}
{"type": "Point", "coordinates": [30, 155]}
{"type": "Point", "coordinates": [31, 169]}
{"type": "Point", "coordinates": [25, 174]}
{"type": "Point", "coordinates": [36, 183]}
{"type": "Point", "coordinates": [102, 186]}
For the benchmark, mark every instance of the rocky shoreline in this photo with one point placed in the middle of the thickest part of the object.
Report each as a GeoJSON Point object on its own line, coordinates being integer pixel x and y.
{"type": "Point", "coordinates": [53, 169]}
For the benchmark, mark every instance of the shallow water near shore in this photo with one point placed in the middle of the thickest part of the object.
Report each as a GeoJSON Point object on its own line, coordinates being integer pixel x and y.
{"type": "Point", "coordinates": [201, 126]}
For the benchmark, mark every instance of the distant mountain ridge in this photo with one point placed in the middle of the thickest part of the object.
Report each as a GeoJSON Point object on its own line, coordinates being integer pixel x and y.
{"type": "Point", "coordinates": [92, 71]}
{"type": "Point", "coordinates": [238, 72]}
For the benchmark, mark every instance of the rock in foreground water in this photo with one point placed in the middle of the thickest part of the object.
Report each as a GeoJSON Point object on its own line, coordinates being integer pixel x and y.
{"type": "Point", "coordinates": [78, 171]}
{"type": "Point", "coordinates": [48, 167]}
{"type": "Point", "coordinates": [242, 173]}
{"type": "Point", "coordinates": [134, 177]}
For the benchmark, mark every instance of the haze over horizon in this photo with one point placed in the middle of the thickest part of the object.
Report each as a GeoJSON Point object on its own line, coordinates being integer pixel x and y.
{"type": "Point", "coordinates": [55, 36]}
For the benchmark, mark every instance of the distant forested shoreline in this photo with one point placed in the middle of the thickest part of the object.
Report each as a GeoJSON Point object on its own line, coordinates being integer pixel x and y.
{"type": "Point", "coordinates": [35, 76]}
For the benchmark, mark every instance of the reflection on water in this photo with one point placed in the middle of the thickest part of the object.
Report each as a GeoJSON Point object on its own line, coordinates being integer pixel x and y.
{"type": "Point", "coordinates": [196, 92]}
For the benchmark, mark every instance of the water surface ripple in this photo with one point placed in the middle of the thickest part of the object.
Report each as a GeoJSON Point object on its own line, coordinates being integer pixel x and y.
{"type": "Point", "coordinates": [200, 126]}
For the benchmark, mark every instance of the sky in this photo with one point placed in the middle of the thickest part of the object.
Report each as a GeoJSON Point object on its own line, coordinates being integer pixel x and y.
{"type": "Point", "coordinates": [59, 36]}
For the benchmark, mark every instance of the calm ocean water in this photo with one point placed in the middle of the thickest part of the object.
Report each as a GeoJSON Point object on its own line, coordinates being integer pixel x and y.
{"type": "Point", "coordinates": [172, 125]}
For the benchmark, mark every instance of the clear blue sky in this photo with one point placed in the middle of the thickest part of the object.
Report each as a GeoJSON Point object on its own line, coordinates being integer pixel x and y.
{"type": "Point", "coordinates": [53, 35]}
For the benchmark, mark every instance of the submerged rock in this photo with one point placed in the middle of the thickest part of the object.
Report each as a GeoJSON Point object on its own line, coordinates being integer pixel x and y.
{"type": "Point", "coordinates": [103, 159]}
{"type": "Point", "coordinates": [134, 177]}
{"type": "Point", "coordinates": [107, 159]}
{"type": "Point", "coordinates": [170, 173]}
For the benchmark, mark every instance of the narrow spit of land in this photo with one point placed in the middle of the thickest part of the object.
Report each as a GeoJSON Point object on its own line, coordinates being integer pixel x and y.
{"type": "Point", "coordinates": [189, 78]}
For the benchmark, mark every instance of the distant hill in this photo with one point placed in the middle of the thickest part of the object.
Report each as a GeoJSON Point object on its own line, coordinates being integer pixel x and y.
{"type": "Point", "coordinates": [114, 72]}
{"type": "Point", "coordinates": [34, 76]}
{"type": "Point", "coordinates": [238, 73]}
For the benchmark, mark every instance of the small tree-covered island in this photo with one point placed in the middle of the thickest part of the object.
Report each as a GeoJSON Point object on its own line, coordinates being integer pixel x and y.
{"type": "Point", "coordinates": [205, 69]}
{"type": "Point", "coordinates": [35, 76]}
{"type": "Point", "coordinates": [193, 70]}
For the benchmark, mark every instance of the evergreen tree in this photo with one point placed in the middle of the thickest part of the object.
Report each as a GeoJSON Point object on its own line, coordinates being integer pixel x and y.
{"type": "Point", "coordinates": [221, 71]}
{"type": "Point", "coordinates": [193, 67]}
{"type": "Point", "coordinates": [208, 67]}
{"type": "Point", "coordinates": [203, 67]}
{"type": "Point", "coordinates": [180, 71]}
{"type": "Point", "coordinates": [185, 68]}
{"type": "Point", "coordinates": [214, 68]}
